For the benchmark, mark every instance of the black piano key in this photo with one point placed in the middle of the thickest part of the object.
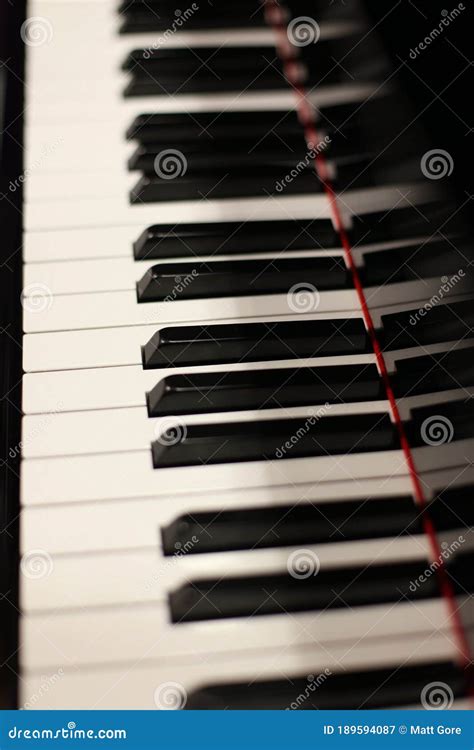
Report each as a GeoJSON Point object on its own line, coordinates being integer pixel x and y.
{"type": "Point", "coordinates": [208, 127]}
{"type": "Point", "coordinates": [439, 424]}
{"type": "Point", "coordinates": [400, 685]}
{"type": "Point", "coordinates": [204, 156]}
{"type": "Point", "coordinates": [149, 15]}
{"type": "Point", "coordinates": [227, 238]}
{"type": "Point", "coordinates": [183, 70]}
{"type": "Point", "coordinates": [228, 278]}
{"type": "Point", "coordinates": [216, 182]}
{"type": "Point", "coordinates": [434, 372]}
{"type": "Point", "coordinates": [404, 223]}
{"type": "Point", "coordinates": [431, 323]}
{"type": "Point", "coordinates": [345, 587]}
{"type": "Point", "coordinates": [280, 526]}
{"type": "Point", "coordinates": [453, 508]}
{"type": "Point", "coordinates": [233, 442]}
{"type": "Point", "coordinates": [413, 262]}
{"type": "Point", "coordinates": [201, 393]}
{"type": "Point", "coordinates": [253, 342]}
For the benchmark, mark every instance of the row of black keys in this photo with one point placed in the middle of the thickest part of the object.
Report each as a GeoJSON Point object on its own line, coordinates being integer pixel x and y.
{"type": "Point", "coordinates": [235, 154]}
{"type": "Point", "coordinates": [220, 278]}
{"type": "Point", "coordinates": [301, 339]}
{"type": "Point", "coordinates": [319, 434]}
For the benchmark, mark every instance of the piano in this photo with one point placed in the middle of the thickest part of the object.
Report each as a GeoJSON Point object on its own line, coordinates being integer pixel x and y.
{"type": "Point", "coordinates": [237, 342]}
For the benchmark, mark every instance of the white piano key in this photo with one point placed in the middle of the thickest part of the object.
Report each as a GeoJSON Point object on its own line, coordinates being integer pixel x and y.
{"type": "Point", "coordinates": [135, 685]}
{"type": "Point", "coordinates": [119, 274]}
{"type": "Point", "coordinates": [102, 638]}
{"type": "Point", "coordinates": [112, 430]}
{"type": "Point", "coordinates": [109, 309]}
{"type": "Point", "coordinates": [105, 347]}
{"type": "Point", "coordinates": [87, 527]}
{"type": "Point", "coordinates": [117, 387]}
{"type": "Point", "coordinates": [147, 576]}
{"type": "Point", "coordinates": [121, 475]}
{"type": "Point", "coordinates": [77, 244]}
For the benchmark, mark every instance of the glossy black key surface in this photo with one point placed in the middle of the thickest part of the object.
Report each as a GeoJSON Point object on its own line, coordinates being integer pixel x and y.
{"type": "Point", "coordinates": [431, 323]}
{"type": "Point", "coordinates": [201, 393]}
{"type": "Point", "coordinates": [280, 526]}
{"type": "Point", "coordinates": [216, 182]}
{"type": "Point", "coordinates": [207, 127]}
{"type": "Point", "coordinates": [344, 587]}
{"type": "Point", "coordinates": [439, 424]}
{"type": "Point", "coordinates": [404, 223]}
{"type": "Point", "coordinates": [150, 15]}
{"type": "Point", "coordinates": [227, 278]}
{"type": "Point", "coordinates": [397, 685]}
{"type": "Point", "coordinates": [204, 156]}
{"type": "Point", "coordinates": [434, 372]}
{"type": "Point", "coordinates": [253, 342]}
{"type": "Point", "coordinates": [413, 262]}
{"type": "Point", "coordinates": [274, 439]}
{"type": "Point", "coordinates": [180, 70]}
{"type": "Point", "coordinates": [228, 238]}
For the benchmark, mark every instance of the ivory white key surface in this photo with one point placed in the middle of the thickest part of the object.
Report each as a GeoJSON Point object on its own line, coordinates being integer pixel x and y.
{"type": "Point", "coordinates": [87, 527]}
{"type": "Point", "coordinates": [82, 639]}
{"type": "Point", "coordinates": [112, 430]}
{"type": "Point", "coordinates": [136, 685]}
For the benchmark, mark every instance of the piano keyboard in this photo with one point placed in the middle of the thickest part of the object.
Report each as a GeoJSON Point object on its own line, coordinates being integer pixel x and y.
{"type": "Point", "coordinates": [247, 350]}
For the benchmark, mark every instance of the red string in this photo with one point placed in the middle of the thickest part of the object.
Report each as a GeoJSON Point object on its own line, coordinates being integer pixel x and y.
{"type": "Point", "coordinates": [276, 20]}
